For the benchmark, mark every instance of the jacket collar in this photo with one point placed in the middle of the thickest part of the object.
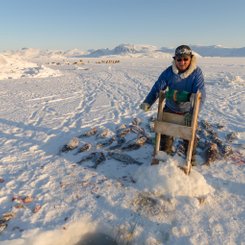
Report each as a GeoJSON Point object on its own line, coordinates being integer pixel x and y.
{"type": "Point", "coordinates": [188, 72]}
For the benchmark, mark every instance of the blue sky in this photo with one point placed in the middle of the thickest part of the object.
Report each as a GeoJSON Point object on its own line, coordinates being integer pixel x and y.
{"type": "Point", "coordinates": [92, 24]}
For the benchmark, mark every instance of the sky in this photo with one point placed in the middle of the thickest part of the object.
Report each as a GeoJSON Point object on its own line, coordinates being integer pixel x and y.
{"type": "Point", "coordinates": [94, 24]}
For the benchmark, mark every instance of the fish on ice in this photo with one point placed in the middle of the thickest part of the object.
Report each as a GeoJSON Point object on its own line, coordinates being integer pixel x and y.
{"type": "Point", "coordinates": [72, 144]}
{"type": "Point", "coordinates": [123, 158]}
{"type": "Point", "coordinates": [84, 147]}
{"type": "Point", "coordinates": [89, 133]}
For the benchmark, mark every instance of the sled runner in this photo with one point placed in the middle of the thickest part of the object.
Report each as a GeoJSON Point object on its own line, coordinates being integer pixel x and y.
{"type": "Point", "coordinates": [174, 125]}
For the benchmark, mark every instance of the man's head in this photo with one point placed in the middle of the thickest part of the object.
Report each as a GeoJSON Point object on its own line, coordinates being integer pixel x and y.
{"type": "Point", "coordinates": [182, 57]}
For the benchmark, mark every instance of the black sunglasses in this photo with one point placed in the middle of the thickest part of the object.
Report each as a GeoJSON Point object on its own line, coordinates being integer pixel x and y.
{"type": "Point", "coordinates": [180, 59]}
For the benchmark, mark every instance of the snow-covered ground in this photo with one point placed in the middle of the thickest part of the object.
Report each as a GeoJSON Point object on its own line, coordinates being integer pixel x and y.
{"type": "Point", "coordinates": [51, 199]}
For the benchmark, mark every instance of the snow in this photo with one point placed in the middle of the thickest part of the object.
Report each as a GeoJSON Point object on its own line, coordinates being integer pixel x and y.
{"type": "Point", "coordinates": [50, 101]}
{"type": "Point", "coordinates": [160, 181]}
{"type": "Point", "coordinates": [14, 66]}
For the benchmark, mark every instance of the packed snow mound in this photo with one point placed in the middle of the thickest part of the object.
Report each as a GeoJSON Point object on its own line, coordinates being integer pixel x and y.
{"type": "Point", "coordinates": [14, 66]}
{"type": "Point", "coordinates": [168, 179]}
{"type": "Point", "coordinates": [71, 235]}
{"type": "Point", "coordinates": [24, 53]}
{"type": "Point", "coordinates": [31, 54]}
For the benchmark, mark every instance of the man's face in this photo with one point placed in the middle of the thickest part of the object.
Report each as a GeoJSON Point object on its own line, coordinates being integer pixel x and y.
{"type": "Point", "coordinates": [182, 63]}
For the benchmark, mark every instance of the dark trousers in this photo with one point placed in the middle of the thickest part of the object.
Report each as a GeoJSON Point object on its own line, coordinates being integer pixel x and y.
{"type": "Point", "coordinates": [166, 144]}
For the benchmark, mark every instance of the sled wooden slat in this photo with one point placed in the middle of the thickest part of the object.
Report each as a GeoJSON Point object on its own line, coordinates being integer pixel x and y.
{"type": "Point", "coordinates": [174, 130]}
{"type": "Point", "coordinates": [174, 125]}
{"type": "Point", "coordinates": [194, 128]}
{"type": "Point", "coordinates": [159, 117]}
{"type": "Point", "coordinates": [173, 118]}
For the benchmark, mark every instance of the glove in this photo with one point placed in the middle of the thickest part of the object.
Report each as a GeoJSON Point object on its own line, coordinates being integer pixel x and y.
{"type": "Point", "coordinates": [145, 107]}
{"type": "Point", "coordinates": [188, 119]}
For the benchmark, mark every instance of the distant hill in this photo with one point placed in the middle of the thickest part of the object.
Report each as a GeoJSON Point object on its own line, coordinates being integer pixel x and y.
{"type": "Point", "coordinates": [129, 50]}
{"type": "Point", "coordinates": [220, 51]}
{"type": "Point", "coordinates": [152, 51]}
{"type": "Point", "coordinates": [213, 51]}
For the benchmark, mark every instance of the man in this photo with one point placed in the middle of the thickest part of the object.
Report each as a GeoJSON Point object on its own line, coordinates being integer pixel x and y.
{"type": "Point", "coordinates": [179, 80]}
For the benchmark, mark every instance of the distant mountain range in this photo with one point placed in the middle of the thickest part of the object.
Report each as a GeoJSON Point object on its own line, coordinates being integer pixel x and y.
{"type": "Point", "coordinates": [130, 50]}
{"type": "Point", "coordinates": [152, 51]}
{"type": "Point", "coordinates": [126, 50]}
{"type": "Point", "coordinates": [219, 51]}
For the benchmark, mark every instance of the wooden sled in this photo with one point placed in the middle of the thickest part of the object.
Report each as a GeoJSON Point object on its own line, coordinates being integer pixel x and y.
{"type": "Point", "coordinates": [174, 125]}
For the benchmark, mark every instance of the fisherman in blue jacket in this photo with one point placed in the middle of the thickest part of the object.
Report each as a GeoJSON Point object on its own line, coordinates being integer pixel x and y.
{"type": "Point", "coordinates": [179, 80]}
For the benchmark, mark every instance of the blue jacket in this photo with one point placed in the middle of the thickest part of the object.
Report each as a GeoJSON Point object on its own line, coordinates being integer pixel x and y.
{"type": "Point", "coordinates": [190, 81]}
